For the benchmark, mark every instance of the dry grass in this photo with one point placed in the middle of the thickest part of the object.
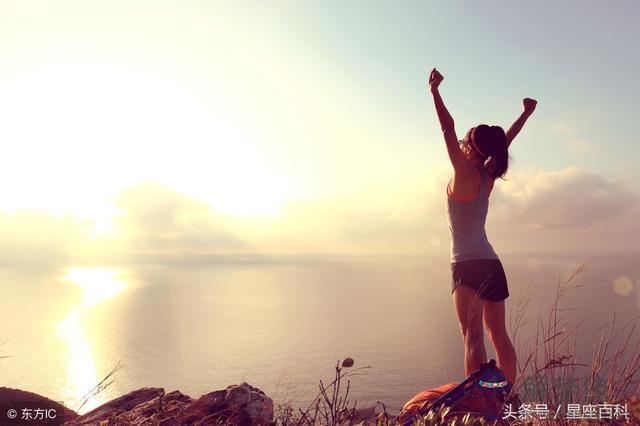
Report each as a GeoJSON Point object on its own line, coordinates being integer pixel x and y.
{"type": "Point", "coordinates": [331, 406]}
{"type": "Point", "coordinates": [549, 371]}
{"type": "Point", "coordinates": [2, 343]}
{"type": "Point", "coordinates": [100, 387]}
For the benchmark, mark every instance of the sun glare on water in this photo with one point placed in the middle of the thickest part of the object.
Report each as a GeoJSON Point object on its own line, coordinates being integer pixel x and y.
{"type": "Point", "coordinates": [97, 284]}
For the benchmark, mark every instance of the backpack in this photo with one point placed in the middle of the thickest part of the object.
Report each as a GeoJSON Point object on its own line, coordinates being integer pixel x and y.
{"type": "Point", "coordinates": [483, 393]}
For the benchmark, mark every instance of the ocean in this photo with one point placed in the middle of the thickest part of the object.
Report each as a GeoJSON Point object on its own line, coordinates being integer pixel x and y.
{"type": "Point", "coordinates": [280, 323]}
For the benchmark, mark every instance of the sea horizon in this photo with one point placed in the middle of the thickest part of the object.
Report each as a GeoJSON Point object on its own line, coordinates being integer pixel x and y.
{"type": "Point", "coordinates": [277, 323]}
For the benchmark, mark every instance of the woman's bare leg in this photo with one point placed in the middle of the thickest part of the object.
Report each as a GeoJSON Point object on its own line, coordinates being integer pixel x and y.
{"type": "Point", "coordinates": [469, 310]}
{"type": "Point", "coordinates": [493, 314]}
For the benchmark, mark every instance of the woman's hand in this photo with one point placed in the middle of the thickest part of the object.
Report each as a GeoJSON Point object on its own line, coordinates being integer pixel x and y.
{"type": "Point", "coordinates": [529, 105]}
{"type": "Point", "coordinates": [435, 78]}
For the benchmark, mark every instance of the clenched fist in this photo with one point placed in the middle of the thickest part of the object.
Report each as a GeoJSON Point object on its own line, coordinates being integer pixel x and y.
{"type": "Point", "coordinates": [435, 78]}
{"type": "Point", "coordinates": [529, 105]}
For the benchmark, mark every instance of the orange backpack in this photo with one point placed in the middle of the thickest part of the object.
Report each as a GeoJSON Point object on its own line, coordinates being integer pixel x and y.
{"type": "Point", "coordinates": [483, 393]}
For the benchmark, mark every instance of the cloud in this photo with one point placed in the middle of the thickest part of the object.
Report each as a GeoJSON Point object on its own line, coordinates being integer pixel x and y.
{"type": "Point", "coordinates": [38, 240]}
{"type": "Point", "coordinates": [564, 199]}
{"type": "Point", "coordinates": [405, 217]}
{"type": "Point", "coordinates": [155, 224]}
{"type": "Point", "coordinates": [569, 210]}
{"type": "Point", "coordinates": [158, 220]}
{"type": "Point", "coordinates": [533, 210]}
{"type": "Point", "coordinates": [564, 211]}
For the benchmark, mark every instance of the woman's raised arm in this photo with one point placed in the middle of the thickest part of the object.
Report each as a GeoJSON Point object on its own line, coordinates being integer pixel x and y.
{"type": "Point", "coordinates": [458, 160]}
{"type": "Point", "coordinates": [529, 106]}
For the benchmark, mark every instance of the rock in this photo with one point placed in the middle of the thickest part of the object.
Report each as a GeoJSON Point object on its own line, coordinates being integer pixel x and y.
{"type": "Point", "coordinates": [172, 404]}
{"type": "Point", "coordinates": [160, 409]}
{"type": "Point", "coordinates": [237, 404]}
{"type": "Point", "coordinates": [19, 399]}
{"type": "Point", "coordinates": [115, 407]}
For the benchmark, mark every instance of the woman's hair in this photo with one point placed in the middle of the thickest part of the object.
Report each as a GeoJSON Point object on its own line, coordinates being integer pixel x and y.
{"type": "Point", "coordinates": [491, 144]}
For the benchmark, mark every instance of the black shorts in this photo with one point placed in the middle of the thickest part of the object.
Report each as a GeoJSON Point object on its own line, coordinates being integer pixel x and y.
{"type": "Point", "coordinates": [484, 275]}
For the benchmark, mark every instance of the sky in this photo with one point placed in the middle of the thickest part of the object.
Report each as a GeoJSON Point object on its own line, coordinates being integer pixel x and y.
{"type": "Point", "coordinates": [157, 131]}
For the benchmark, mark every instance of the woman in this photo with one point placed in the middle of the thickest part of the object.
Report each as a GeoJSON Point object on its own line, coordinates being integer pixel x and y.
{"type": "Point", "coordinates": [479, 282]}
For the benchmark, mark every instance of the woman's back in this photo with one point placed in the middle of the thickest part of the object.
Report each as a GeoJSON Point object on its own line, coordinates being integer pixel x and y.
{"type": "Point", "coordinates": [466, 216]}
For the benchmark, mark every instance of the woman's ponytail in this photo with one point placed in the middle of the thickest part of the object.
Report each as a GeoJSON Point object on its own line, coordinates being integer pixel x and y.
{"type": "Point", "coordinates": [491, 142]}
{"type": "Point", "coordinates": [498, 162]}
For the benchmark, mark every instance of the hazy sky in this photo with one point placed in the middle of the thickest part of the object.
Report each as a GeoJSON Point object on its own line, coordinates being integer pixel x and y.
{"type": "Point", "coordinates": [138, 129]}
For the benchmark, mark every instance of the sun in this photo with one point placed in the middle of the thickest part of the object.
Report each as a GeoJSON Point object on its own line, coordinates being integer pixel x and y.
{"type": "Point", "coordinates": [89, 130]}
